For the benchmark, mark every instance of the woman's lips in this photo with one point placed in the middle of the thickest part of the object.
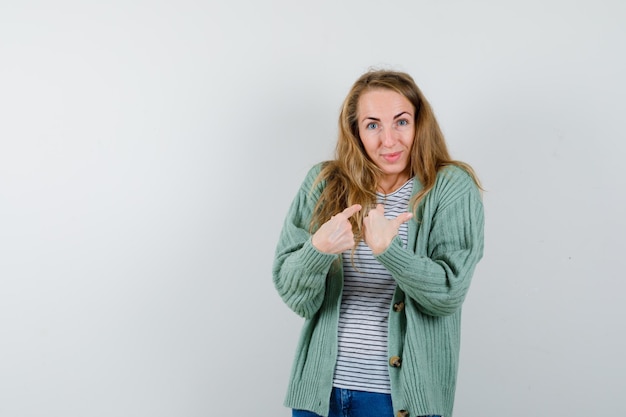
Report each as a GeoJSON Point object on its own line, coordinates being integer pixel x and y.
{"type": "Point", "coordinates": [392, 157]}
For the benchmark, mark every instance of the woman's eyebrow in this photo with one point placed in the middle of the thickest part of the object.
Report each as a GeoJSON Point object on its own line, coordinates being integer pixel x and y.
{"type": "Point", "coordinates": [401, 113]}
{"type": "Point", "coordinates": [376, 119]}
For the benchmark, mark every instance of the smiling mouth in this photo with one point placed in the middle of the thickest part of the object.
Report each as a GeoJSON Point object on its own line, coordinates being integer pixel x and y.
{"type": "Point", "coordinates": [392, 157]}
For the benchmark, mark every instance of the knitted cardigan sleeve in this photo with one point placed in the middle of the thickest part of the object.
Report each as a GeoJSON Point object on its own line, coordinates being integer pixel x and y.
{"type": "Point", "coordinates": [299, 270]}
{"type": "Point", "coordinates": [436, 271]}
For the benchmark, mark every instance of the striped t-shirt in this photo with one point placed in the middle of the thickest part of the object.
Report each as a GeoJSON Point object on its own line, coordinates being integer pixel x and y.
{"type": "Point", "coordinates": [362, 362]}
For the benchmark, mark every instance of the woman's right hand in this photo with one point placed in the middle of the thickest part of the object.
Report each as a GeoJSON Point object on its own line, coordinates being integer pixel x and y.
{"type": "Point", "coordinates": [335, 236]}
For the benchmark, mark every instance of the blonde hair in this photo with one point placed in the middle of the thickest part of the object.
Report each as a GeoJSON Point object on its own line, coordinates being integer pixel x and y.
{"type": "Point", "coordinates": [352, 178]}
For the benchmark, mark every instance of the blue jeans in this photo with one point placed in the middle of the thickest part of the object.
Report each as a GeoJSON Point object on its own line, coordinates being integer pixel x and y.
{"type": "Point", "coordinates": [349, 403]}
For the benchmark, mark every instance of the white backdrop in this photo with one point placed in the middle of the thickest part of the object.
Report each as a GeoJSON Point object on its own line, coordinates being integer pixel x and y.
{"type": "Point", "coordinates": [149, 151]}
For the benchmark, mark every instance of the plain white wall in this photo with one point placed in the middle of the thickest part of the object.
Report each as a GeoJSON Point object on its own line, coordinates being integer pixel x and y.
{"type": "Point", "coordinates": [149, 151]}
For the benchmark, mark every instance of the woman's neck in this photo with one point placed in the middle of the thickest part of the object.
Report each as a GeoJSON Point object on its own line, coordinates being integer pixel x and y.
{"type": "Point", "coordinates": [389, 184]}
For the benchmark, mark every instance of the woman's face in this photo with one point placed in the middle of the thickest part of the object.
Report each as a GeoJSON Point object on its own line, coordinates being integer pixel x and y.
{"type": "Point", "coordinates": [387, 130]}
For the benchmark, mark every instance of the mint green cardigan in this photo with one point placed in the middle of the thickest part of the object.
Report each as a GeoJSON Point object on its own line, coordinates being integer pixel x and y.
{"type": "Point", "coordinates": [433, 276]}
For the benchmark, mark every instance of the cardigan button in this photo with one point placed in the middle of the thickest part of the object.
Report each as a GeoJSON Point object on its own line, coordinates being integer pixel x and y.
{"type": "Point", "coordinates": [398, 307]}
{"type": "Point", "coordinates": [402, 413]}
{"type": "Point", "coordinates": [395, 361]}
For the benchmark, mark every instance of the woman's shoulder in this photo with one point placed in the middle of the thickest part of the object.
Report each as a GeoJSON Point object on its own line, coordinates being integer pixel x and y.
{"type": "Point", "coordinates": [455, 175]}
{"type": "Point", "coordinates": [312, 174]}
{"type": "Point", "coordinates": [454, 180]}
{"type": "Point", "coordinates": [314, 171]}
{"type": "Point", "coordinates": [312, 182]}
{"type": "Point", "coordinates": [319, 172]}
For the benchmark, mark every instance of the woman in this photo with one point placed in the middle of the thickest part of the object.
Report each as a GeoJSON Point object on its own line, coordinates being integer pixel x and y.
{"type": "Point", "coordinates": [377, 253]}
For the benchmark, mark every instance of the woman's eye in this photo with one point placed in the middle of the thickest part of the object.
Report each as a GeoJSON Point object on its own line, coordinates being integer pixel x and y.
{"type": "Point", "coordinates": [372, 126]}
{"type": "Point", "coordinates": [403, 122]}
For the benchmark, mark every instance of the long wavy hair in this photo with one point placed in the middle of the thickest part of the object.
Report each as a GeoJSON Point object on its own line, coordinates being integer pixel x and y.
{"type": "Point", "coordinates": [352, 177]}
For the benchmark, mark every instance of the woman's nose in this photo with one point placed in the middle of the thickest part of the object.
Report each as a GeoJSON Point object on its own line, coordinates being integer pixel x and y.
{"type": "Point", "coordinates": [388, 137]}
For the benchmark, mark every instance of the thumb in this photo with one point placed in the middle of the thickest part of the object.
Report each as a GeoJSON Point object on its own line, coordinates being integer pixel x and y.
{"type": "Point", "coordinates": [403, 218]}
{"type": "Point", "coordinates": [348, 212]}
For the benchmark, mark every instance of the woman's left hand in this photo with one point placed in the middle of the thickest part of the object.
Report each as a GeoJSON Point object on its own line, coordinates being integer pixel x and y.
{"type": "Point", "coordinates": [380, 231]}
